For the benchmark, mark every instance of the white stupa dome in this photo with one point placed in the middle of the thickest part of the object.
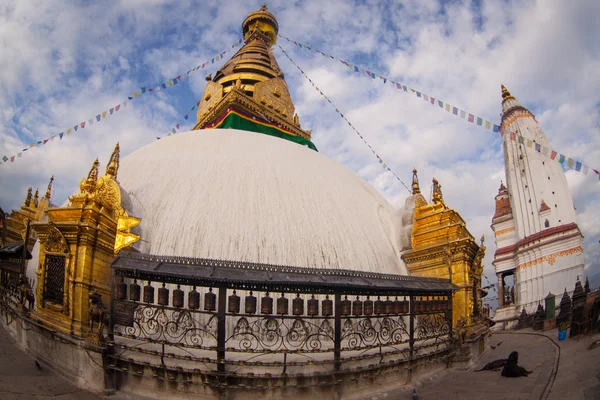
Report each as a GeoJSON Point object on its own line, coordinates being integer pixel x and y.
{"type": "Point", "coordinates": [243, 196]}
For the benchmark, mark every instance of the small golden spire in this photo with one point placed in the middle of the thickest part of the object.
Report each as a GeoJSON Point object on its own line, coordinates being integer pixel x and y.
{"type": "Point", "coordinates": [28, 198]}
{"type": "Point", "coordinates": [415, 183]}
{"type": "Point", "coordinates": [88, 185]}
{"type": "Point", "coordinates": [113, 164]}
{"type": "Point", "coordinates": [35, 198]}
{"type": "Point", "coordinates": [438, 198]}
{"type": "Point", "coordinates": [49, 190]}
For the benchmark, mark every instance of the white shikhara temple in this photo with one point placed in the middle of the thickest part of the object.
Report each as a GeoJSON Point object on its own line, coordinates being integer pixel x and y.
{"type": "Point", "coordinates": [538, 241]}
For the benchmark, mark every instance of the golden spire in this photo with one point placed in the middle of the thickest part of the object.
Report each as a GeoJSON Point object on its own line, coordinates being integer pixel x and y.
{"type": "Point", "coordinates": [505, 94]}
{"type": "Point", "coordinates": [49, 190]}
{"type": "Point", "coordinates": [28, 198]}
{"type": "Point", "coordinates": [113, 164]}
{"type": "Point", "coordinates": [415, 183]}
{"type": "Point", "coordinates": [438, 198]}
{"type": "Point", "coordinates": [251, 82]}
{"type": "Point", "coordinates": [88, 185]}
{"type": "Point", "coordinates": [35, 198]}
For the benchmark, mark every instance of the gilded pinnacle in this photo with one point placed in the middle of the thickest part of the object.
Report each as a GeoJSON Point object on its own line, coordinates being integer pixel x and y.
{"type": "Point", "coordinates": [49, 190]}
{"type": "Point", "coordinates": [28, 198]}
{"type": "Point", "coordinates": [113, 163]}
{"type": "Point", "coordinates": [415, 183]}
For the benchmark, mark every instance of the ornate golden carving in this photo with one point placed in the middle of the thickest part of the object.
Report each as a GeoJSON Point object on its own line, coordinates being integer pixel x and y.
{"type": "Point", "coordinates": [54, 241]}
{"type": "Point", "coordinates": [551, 259]}
{"type": "Point", "coordinates": [35, 198]}
{"type": "Point", "coordinates": [124, 238]}
{"type": "Point", "coordinates": [437, 198]}
{"type": "Point", "coordinates": [108, 192]}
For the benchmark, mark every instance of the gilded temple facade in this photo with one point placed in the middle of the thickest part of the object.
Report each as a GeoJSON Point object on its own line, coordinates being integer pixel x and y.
{"type": "Point", "coordinates": [442, 247]}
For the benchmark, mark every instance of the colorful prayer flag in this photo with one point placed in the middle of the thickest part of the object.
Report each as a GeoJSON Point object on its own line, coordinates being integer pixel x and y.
{"type": "Point", "coordinates": [496, 128]}
{"type": "Point", "coordinates": [135, 94]}
{"type": "Point", "coordinates": [447, 107]}
{"type": "Point", "coordinates": [418, 94]}
{"type": "Point", "coordinates": [441, 103]}
{"type": "Point", "coordinates": [488, 124]}
{"type": "Point", "coordinates": [82, 125]}
{"type": "Point", "coordinates": [103, 114]}
{"type": "Point", "coordinates": [60, 135]}
{"type": "Point", "coordinates": [570, 163]}
{"type": "Point", "coordinates": [577, 166]}
{"type": "Point", "coordinates": [112, 110]}
{"type": "Point", "coordinates": [585, 169]}
{"type": "Point", "coordinates": [561, 158]}
{"type": "Point", "coordinates": [479, 121]}
{"type": "Point", "coordinates": [143, 90]}
{"type": "Point", "coordinates": [454, 110]}
{"type": "Point", "coordinates": [513, 136]}
{"type": "Point", "coordinates": [118, 107]}
{"type": "Point", "coordinates": [521, 139]}
{"type": "Point", "coordinates": [553, 155]}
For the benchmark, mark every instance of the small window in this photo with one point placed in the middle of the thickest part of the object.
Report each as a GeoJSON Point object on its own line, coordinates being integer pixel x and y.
{"type": "Point", "coordinates": [547, 224]}
{"type": "Point", "coordinates": [55, 279]}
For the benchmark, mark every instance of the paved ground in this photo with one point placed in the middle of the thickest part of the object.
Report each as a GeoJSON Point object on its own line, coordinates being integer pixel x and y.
{"type": "Point", "coordinates": [561, 370]}
{"type": "Point", "coordinates": [572, 373]}
{"type": "Point", "coordinates": [21, 379]}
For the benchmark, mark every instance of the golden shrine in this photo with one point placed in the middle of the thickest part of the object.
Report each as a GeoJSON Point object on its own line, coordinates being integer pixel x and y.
{"type": "Point", "coordinates": [442, 247]}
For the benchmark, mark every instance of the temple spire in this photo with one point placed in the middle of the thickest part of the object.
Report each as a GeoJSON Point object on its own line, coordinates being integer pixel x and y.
{"type": "Point", "coordinates": [49, 190]}
{"type": "Point", "coordinates": [113, 163]}
{"type": "Point", "coordinates": [35, 198]}
{"type": "Point", "coordinates": [415, 183]}
{"type": "Point", "coordinates": [88, 185]}
{"type": "Point", "coordinates": [437, 197]}
{"type": "Point", "coordinates": [28, 198]}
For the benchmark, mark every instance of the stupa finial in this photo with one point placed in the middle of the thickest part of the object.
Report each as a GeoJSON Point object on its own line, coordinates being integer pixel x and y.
{"type": "Point", "coordinates": [49, 190]}
{"type": "Point", "coordinates": [505, 93]}
{"type": "Point", "coordinates": [113, 163]}
{"type": "Point", "coordinates": [415, 183]}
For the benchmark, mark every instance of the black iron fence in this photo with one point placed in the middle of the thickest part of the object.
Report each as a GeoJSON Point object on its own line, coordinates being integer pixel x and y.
{"type": "Point", "coordinates": [219, 322]}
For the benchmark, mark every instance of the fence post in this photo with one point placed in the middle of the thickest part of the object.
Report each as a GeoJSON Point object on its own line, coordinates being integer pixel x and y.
{"type": "Point", "coordinates": [337, 331]}
{"type": "Point", "coordinates": [221, 308]}
{"type": "Point", "coordinates": [411, 334]}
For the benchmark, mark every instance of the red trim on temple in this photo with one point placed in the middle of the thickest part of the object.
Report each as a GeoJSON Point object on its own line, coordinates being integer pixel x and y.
{"type": "Point", "coordinates": [537, 236]}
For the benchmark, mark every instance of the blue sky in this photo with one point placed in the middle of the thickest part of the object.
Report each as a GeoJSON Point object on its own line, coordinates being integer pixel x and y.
{"type": "Point", "coordinates": [64, 63]}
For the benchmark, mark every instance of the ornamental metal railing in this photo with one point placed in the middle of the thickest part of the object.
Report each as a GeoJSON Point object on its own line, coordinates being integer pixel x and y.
{"type": "Point", "coordinates": [215, 322]}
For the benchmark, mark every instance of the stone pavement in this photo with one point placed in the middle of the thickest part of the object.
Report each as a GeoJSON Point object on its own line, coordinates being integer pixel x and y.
{"type": "Point", "coordinates": [21, 379]}
{"type": "Point", "coordinates": [561, 370]}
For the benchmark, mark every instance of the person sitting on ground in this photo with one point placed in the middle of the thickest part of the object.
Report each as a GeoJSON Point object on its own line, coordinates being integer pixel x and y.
{"type": "Point", "coordinates": [511, 369]}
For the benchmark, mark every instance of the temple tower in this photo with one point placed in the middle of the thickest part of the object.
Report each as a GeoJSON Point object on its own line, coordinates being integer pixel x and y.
{"type": "Point", "coordinates": [538, 241]}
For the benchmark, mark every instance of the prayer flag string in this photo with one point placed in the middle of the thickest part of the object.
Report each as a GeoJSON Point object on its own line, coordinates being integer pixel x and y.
{"type": "Point", "coordinates": [469, 117]}
{"type": "Point", "coordinates": [113, 110]}
{"type": "Point", "coordinates": [379, 159]}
